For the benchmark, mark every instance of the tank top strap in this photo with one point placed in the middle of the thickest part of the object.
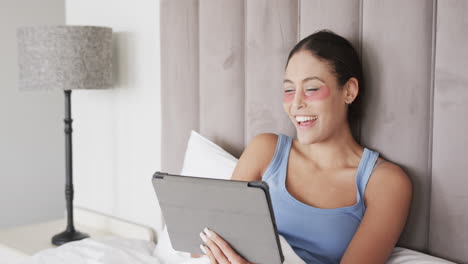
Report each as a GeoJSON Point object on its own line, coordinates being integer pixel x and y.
{"type": "Point", "coordinates": [281, 151]}
{"type": "Point", "coordinates": [285, 149]}
{"type": "Point", "coordinates": [365, 171]}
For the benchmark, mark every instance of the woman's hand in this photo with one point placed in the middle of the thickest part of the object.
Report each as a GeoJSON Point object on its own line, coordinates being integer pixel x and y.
{"type": "Point", "coordinates": [218, 250]}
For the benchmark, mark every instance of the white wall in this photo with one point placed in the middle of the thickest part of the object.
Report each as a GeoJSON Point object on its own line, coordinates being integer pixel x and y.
{"type": "Point", "coordinates": [32, 170]}
{"type": "Point", "coordinates": [117, 131]}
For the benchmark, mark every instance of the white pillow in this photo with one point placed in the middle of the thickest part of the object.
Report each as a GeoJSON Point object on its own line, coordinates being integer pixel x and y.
{"type": "Point", "coordinates": [203, 158]}
{"type": "Point", "coordinates": [407, 256]}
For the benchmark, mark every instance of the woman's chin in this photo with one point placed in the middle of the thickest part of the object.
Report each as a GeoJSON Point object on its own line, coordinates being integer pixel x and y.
{"type": "Point", "coordinates": [305, 138]}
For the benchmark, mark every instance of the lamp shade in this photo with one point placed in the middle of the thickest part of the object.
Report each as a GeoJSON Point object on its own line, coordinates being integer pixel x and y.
{"type": "Point", "coordinates": [64, 57]}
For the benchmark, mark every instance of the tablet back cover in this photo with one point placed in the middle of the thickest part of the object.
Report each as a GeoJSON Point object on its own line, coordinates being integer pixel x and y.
{"type": "Point", "coordinates": [238, 211]}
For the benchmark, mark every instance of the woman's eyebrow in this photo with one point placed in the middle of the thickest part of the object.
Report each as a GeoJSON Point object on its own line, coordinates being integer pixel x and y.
{"type": "Point", "coordinates": [312, 78]}
{"type": "Point", "coordinates": [304, 80]}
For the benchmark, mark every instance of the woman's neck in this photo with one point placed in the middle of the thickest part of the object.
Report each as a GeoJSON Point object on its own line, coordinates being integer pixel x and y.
{"type": "Point", "coordinates": [337, 151]}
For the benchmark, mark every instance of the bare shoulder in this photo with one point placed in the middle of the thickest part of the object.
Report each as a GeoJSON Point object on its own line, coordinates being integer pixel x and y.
{"type": "Point", "coordinates": [389, 180]}
{"type": "Point", "coordinates": [256, 157]}
{"type": "Point", "coordinates": [264, 142]}
{"type": "Point", "coordinates": [388, 200]}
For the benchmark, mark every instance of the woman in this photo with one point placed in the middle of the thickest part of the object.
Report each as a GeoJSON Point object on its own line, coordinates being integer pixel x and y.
{"type": "Point", "coordinates": [326, 204]}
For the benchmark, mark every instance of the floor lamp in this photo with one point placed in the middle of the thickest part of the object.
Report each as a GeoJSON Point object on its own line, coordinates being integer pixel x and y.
{"type": "Point", "coordinates": [65, 58]}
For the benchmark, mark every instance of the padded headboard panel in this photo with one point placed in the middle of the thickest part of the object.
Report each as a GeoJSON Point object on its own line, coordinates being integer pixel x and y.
{"type": "Point", "coordinates": [222, 64]}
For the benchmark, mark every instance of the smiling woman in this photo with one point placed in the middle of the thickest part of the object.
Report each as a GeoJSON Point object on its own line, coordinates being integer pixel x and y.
{"type": "Point", "coordinates": [331, 199]}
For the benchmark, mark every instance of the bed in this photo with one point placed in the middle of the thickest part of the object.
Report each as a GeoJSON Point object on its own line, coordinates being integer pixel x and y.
{"type": "Point", "coordinates": [131, 243]}
{"type": "Point", "coordinates": [221, 79]}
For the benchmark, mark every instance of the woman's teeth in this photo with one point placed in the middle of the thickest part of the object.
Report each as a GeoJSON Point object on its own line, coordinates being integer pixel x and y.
{"type": "Point", "coordinates": [305, 118]}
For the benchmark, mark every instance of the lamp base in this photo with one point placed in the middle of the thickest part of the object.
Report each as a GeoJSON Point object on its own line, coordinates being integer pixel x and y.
{"type": "Point", "coordinates": [68, 236]}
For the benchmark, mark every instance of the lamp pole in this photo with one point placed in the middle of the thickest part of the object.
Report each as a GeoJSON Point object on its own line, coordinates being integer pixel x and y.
{"type": "Point", "coordinates": [70, 234]}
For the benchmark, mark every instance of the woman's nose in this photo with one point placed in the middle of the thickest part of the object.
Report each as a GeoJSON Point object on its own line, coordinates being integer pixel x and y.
{"type": "Point", "coordinates": [298, 101]}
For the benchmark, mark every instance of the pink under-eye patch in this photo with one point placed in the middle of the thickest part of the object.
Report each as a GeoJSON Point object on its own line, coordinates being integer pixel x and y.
{"type": "Point", "coordinates": [288, 96]}
{"type": "Point", "coordinates": [309, 94]}
{"type": "Point", "coordinates": [320, 94]}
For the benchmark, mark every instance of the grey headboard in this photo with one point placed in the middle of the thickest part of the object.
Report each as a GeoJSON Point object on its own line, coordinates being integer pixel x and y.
{"type": "Point", "coordinates": [222, 65]}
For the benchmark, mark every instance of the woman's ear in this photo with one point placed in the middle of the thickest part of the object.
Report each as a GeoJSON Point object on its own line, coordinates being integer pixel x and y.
{"type": "Point", "coordinates": [351, 90]}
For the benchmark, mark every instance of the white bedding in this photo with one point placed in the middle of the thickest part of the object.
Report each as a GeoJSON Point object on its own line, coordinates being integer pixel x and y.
{"type": "Point", "coordinates": [10, 255]}
{"type": "Point", "coordinates": [113, 250]}
{"type": "Point", "coordinates": [104, 251]}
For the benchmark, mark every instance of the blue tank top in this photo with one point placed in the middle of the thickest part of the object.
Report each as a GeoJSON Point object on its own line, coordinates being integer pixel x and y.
{"type": "Point", "coordinates": [316, 235]}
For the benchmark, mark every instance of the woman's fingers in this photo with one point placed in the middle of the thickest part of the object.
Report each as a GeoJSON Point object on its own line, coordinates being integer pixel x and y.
{"type": "Point", "coordinates": [214, 250]}
{"type": "Point", "coordinates": [210, 255]}
{"type": "Point", "coordinates": [226, 249]}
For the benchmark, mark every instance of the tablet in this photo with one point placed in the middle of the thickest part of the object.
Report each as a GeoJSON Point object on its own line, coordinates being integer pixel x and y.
{"type": "Point", "coordinates": [238, 211]}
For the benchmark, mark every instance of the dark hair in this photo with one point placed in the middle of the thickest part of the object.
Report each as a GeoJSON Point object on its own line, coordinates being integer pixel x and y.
{"type": "Point", "coordinates": [343, 59]}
